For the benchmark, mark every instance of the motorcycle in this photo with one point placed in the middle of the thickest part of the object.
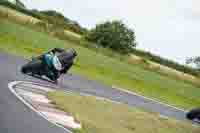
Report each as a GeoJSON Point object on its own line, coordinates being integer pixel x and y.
{"type": "Point", "coordinates": [37, 66]}
{"type": "Point", "coordinates": [194, 115]}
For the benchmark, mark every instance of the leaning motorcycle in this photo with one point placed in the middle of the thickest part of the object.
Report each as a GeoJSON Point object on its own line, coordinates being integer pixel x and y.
{"type": "Point", "coordinates": [36, 66]}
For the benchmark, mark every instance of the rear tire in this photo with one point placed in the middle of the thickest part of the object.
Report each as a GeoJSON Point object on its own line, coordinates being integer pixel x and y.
{"type": "Point", "coordinates": [24, 70]}
{"type": "Point", "coordinates": [33, 67]}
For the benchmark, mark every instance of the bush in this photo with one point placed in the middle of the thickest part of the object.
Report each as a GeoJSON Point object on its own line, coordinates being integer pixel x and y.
{"type": "Point", "coordinates": [60, 20]}
{"type": "Point", "coordinates": [114, 35]}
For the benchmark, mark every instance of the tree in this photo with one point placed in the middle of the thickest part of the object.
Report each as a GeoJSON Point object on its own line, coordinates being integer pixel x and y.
{"type": "Point", "coordinates": [195, 61]}
{"type": "Point", "coordinates": [19, 3]}
{"type": "Point", "coordinates": [115, 35]}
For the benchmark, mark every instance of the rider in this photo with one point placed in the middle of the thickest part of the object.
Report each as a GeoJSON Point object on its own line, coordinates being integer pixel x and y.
{"type": "Point", "coordinates": [54, 66]}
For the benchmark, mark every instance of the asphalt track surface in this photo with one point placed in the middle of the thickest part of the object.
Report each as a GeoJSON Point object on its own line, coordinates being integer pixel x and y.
{"type": "Point", "coordinates": [15, 117]}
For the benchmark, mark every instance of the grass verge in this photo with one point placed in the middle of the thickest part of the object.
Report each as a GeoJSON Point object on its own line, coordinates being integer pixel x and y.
{"type": "Point", "coordinates": [26, 42]}
{"type": "Point", "coordinates": [98, 116]}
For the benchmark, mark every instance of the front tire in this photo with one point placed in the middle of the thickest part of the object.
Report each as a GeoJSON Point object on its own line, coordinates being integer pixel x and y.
{"type": "Point", "coordinates": [24, 70]}
{"type": "Point", "coordinates": [193, 114]}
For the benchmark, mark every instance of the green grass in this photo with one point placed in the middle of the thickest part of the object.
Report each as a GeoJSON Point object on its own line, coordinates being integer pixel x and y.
{"type": "Point", "coordinates": [25, 42]}
{"type": "Point", "coordinates": [97, 116]}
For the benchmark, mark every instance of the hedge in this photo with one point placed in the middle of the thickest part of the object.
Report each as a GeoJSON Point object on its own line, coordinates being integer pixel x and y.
{"type": "Point", "coordinates": [20, 9]}
{"type": "Point", "coordinates": [166, 62]}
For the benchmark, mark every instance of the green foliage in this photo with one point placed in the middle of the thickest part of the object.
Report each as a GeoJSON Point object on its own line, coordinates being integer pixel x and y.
{"type": "Point", "coordinates": [58, 20]}
{"type": "Point", "coordinates": [195, 61]}
{"type": "Point", "coordinates": [55, 14]}
{"type": "Point", "coordinates": [115, 35]}
{"type": "Point", "coordinates": [19, 3]}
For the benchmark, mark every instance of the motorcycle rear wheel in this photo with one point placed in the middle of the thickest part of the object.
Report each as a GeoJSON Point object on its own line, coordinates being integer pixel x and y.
{"type": "Point", "coordinates": [35, 66]}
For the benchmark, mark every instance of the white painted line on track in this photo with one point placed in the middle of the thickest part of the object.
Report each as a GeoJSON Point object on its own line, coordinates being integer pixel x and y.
{"type": "Point", "coordinates": [12, 84]}
{"type": "Point", "coordinates": [88, 95]}
{"type": "Point", "coordinates": [150, 99]}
